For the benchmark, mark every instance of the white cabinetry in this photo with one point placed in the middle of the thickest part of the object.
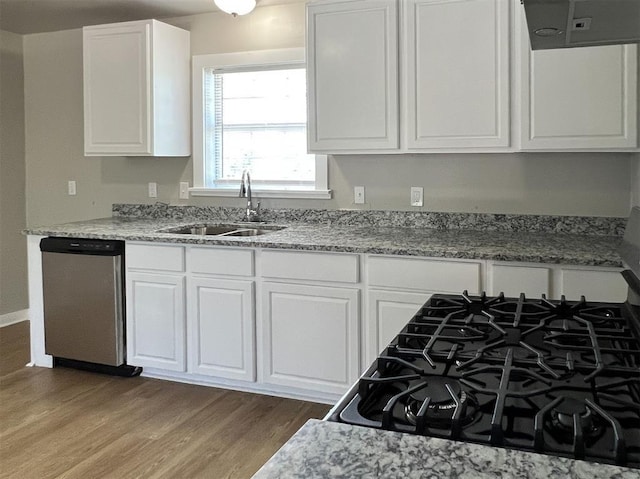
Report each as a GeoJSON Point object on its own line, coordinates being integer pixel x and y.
{"type": "Point", "coordinates": [399, 286]}
{"type": "Point", "coordinates": [596, 283]}
{"type": "Point", "coordinates": [513, 279]}
{"type": "Point", "coordinates": [136, 90]}
{"type": "Point", "coordinates": [289, 322]}
{"type": "Point", "coordinates": [388, 312]}
{"type": "Point", "coordinates": [416, 273]}
{"type": "Point", "coordinates": [352, 71]}
{"type": "Point", "coordinates": [457, 73]}
{"type": "Point", "coordinates": [457, 63]}
{"type": "Point", "coordinates": [310, 336]}
{"type": "Point", "coordinates": [310, 333]}
{"type": "Point", "coordinates": [220, 313]}
{"type": "Point", "coordinates": [577, 98]}
{"type": "Point", "coordinates": [155, 307]}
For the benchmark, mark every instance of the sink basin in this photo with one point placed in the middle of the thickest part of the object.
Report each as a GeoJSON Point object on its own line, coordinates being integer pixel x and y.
{"type": "Point", "coordinates": [248, 232]}
{"type": "Point", "coordinates": [203, 230]}
{"type": "Point", "coordinates": [222, 230]}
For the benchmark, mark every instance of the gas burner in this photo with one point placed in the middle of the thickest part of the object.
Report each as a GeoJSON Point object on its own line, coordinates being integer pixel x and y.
{"type": "Point", "coordinates": [569, 413]}
{"type": "Point", "coordinates": [562, 416]}
{"type": "Point", "coordinates": [607, 316]}
{"type": "Point", "coordinates": [441, 397]}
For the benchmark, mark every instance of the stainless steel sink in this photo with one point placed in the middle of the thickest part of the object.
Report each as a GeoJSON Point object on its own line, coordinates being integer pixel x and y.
{"type": "Point", "coordinates": [248, 232]}
{"type": "Point", "coordinates": [222, 230]}
{"type": "Point", "coordinates": [202, 230]}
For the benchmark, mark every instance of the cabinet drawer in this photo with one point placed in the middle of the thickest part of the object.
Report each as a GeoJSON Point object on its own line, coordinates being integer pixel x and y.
{"type": "Point", "coordinates": [594, 285]}
{"type": "Point", "coordinates": [155, 257]}
{"type": "Point", "coordinates": [340, 268]}
{"type": "Point", "coordinates": [424, 274]}
{"type": "Point", "coordinates": [513, 280]}
{"type": "Point", "coordinates": [235, 262]}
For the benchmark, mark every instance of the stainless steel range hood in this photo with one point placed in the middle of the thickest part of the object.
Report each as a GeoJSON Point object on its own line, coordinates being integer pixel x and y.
{"type": "Point", "coordinates": [581, 23]}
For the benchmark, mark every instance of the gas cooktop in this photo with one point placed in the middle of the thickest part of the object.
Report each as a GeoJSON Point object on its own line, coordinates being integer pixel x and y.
{"type": "Point", "coordinates": [555, 377]}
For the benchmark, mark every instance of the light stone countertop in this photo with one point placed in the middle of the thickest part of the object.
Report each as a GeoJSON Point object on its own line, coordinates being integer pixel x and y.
{"type": "Point", "coordinates": [520, 246]}
{"type": "Point", "coordinates": [328, 450]}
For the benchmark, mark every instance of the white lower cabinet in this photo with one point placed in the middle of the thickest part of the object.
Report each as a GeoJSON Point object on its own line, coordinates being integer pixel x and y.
{"type": "Point", "coordinates": [400, 285]}
{"type": "Point", "coordinates": [156, 320]}
{"type": "Point", "coordinates": [408, 273]}
{"type": "Point", "coordinates": [310, 336]}
{"type": "Point", "coordinates": [554, 281]}
{"type": "Point", "coordinates": [388, 313]}
{"type": "Point", "coordinates": [512, 280]}
{"type": "Point", "coordinates": [594, 285]}
{"type": "Point", "coordinates": [289, 322]}
{"type": "Point", "coordinates": [221, 328]}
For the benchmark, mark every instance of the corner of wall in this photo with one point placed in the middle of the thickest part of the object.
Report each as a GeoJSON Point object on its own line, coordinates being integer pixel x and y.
{"type": "Point", "coordinates": [635, 180]}
{"type": "Point", "coordinates": [13, 250]}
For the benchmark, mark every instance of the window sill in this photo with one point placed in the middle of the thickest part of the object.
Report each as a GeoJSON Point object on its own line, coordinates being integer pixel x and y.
{"type": "Point", "coordinates": [292, 194]}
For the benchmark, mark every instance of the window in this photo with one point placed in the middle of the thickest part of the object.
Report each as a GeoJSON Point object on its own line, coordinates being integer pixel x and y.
{"type": "Point", "coordinates": [250, 114]}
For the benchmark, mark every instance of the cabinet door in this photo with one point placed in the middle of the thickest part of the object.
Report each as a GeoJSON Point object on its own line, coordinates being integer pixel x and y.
{"type": "Point", "coordinates": [156, 321]}
{"type": "Point", "coordinates": [388, 313]}
{"type": "Point", "coordinates": [578, 97]}
{"type": "Point", "coordinates": [221, 332]}
{"type": "Point", "coordinates": [116, 89]}
{"type": "Point", "coordinates": [352, 73]}
{"type": "Point", "coordinates": [457, 73]}
{"type": "Point", "coordinates": [310, 337]}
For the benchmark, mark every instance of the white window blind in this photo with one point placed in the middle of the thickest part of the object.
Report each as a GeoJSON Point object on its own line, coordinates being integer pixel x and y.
{"type": "Point", "coordinates": [250, 114]}
{"type": "Point", "coordinates": [256, 121]}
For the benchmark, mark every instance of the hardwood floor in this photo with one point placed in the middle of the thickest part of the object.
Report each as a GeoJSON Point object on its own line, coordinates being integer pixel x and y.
{"type": "Point", "coordinates": [63, 423]}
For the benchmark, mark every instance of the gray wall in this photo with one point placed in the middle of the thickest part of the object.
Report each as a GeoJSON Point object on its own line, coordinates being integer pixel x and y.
{"type": "Point", "coordinates": [13, 255]}
{"type": "Point", "coordinates": [554, 183]}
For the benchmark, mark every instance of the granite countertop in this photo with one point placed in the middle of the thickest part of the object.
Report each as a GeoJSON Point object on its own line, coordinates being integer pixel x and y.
{"type": "Point", "coordinates": [324, 450]}
{"type": "Point", "coordinates": [521, 246]}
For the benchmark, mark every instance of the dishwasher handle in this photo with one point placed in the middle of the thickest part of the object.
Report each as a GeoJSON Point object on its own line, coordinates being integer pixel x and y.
{"type": "Point", "coordinates": [82, 246]}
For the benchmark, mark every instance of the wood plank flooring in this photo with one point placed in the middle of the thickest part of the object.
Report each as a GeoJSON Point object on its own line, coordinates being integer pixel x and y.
{"type": "Point", "coordinates": [63, 423]}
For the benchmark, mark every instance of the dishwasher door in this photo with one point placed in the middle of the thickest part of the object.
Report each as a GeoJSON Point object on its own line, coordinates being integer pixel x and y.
{"type": "Point", "coordinates": [83, 305]}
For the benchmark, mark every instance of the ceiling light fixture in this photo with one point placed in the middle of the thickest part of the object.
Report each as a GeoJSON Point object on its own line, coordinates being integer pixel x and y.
{"type": "Point", "coordinates": [236, 7]}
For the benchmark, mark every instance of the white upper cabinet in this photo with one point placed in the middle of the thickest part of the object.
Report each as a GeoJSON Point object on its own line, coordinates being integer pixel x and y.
{"type": "Point", "coordinates": [466, 79]}
{"type": "Point", "coordinates": [352, 72]}
{"type": "Point", "coordinates": [457, 73]}
{"type": "Point", "coordinates": [136, 90]}
{"type": "Point", "coordinates": [577, 98]}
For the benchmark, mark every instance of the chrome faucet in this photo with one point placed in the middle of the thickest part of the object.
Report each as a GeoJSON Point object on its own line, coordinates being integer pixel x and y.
{"type": "Point", "coordinates": [245, 192]}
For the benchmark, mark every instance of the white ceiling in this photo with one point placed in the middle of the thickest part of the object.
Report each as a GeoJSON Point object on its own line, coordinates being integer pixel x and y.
{"type": "Point", "coordinates": [35, 16]}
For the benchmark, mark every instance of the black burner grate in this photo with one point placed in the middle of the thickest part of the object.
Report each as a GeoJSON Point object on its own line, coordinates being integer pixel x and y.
{"type": "Point", "coordinates": [557, 377]}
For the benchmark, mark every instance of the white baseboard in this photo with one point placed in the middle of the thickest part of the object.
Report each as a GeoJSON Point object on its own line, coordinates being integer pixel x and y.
{"type": "Point", "coordinates": [13, 318]}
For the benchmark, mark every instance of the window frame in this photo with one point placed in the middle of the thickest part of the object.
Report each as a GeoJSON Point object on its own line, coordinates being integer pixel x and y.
{"type": "Point", "coordinates": [236, 62]}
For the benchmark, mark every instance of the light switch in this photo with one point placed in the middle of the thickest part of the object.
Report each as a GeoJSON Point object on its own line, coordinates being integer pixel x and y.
{"type": "Point", "coordinates": [417, 193]}
{"type": "Point", "coordinates": [184, 190]}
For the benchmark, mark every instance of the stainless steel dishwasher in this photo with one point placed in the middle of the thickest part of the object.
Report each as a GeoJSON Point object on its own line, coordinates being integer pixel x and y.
{"type": "Point", "coordinates": [84, 315]}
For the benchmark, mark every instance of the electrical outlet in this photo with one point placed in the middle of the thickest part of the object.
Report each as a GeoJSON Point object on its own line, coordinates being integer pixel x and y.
{"type": "Point", "coordinates": [153, 190]}
{"type": "Point", "coordinates": [358, 195]}
{"type": "Point", "coordinates": [417, 194]}
{"type": "Point", "coordinates": [184, 190]}
{"type": "Point", "coordinates": [71, 187]}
